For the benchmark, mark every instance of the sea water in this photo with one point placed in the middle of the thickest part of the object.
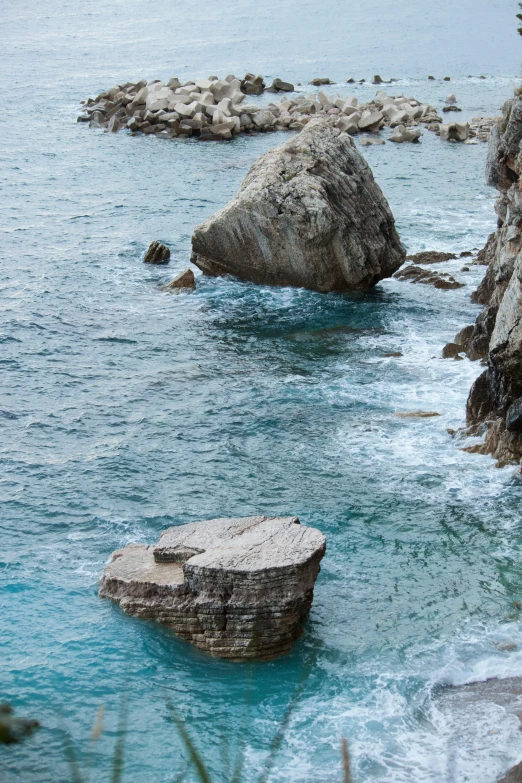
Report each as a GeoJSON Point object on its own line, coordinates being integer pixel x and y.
{"type": "Point", "coordinates": [124, 409]}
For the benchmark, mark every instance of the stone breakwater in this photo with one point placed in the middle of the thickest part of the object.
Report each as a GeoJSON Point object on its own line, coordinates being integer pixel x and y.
{"type": "Point", "coordinates": [236, 588]}
{"type": "Point", "coordinates": [308, 214]}
{"type": "Point", "coordinates": [218, 109]}
{"type": "Point", "coordinates": [494, 406]}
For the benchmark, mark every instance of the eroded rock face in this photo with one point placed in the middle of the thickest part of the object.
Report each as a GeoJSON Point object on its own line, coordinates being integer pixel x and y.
{"type": "Point", "coordinates": [497, 333]}
{"type": "Point", "coordinates": [237, 588]}
{"type": "Point", "coordinates": [308, 214]}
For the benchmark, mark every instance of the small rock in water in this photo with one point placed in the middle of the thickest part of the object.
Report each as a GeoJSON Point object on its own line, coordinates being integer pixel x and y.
{"type": "Point", "coordinates": [451, 98]}
{"type": "Point", "coordinates": [417, 415]}
{"type": "Point", "coordinates": [451, 351]}
{"type": "Point", "coordinates": [454, 131]}
{"type": "Point", "coordinates": [506, 646]}
{"type": "Point", "coordinates": [417, 274]}
{"type": "Point", "coordinates": [446, 109]}
{"type": "Point", "coordinates": [371, 142]}
{"type": "Point", "coordinates": [431, 78]}
{"type": "Point", "coordinates": [447, 79]}
{"type": "Point", "coordinates": [318, 82]}
{"type": "Point", "coordinates": [377, 79]}
{"type": "Point", "coordinates": [185, 280]}
{"type": "Point", "coordinates": [282, 86]}
{"type": "Point", "coordinates": [157, 254]}
{"type": "Point", "coordinates": [392, 355]}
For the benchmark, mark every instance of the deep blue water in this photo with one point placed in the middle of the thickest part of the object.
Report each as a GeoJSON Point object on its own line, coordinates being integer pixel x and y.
{"type": "Point", "coordinates": [124, 410]}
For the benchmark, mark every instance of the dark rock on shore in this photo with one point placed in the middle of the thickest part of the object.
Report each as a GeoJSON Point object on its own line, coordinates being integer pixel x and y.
{"type": "Point", "coordinates": [320, 81]}
{"type": "Point", "coordinates": [280, 86]}
{"type": "Point", "coordinates": [236, 588]}
{"type": "Point", "coordinates": [157, 254]}
{"type": "Point", "coordinates": [308, 214]}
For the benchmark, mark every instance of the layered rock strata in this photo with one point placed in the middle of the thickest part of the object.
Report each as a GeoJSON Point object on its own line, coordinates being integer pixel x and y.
{"type": "Point", "coordinates": [236, 588]}
{"type": "Point", "coordinates": [309, 214]}
{"type": "Point", "coordinates": [495, 400]}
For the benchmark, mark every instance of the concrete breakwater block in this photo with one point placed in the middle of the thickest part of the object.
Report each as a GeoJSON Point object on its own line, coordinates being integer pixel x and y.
{"type": "Point", "coordinates": [216, 110]}
{"type": "Point", "coordinates": [237, 588]}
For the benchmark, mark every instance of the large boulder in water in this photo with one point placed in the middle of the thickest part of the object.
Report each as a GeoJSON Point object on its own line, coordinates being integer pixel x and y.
{"type": "Point", "coordinates": [309, 214]}
{"type": "Point", "coordinates": [237, 588]}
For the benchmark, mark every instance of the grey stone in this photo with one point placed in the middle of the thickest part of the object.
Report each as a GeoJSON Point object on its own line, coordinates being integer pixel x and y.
{"type": "Point", "coordinates": [514, 416]}
{"type": "Point", "coordinates": [236, 588]}
{"type": "Point", "coordinates": [454, 131]}
{"type": "Point", "coordinates": [320, 81]}
{"type": "Point", "coordinates": [308, 214]}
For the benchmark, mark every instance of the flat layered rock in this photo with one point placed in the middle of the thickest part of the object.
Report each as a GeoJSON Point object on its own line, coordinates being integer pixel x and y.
{"type": "Point", "coordinates": [308, 214]}
{"type": "Point", "coordinates": [237, 588]}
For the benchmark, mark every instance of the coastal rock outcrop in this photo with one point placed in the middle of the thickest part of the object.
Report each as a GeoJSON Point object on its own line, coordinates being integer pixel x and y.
{"type": "Point", "coordinates": [309, 214]}
{"type": "Point", "coordinates": [236, 588]}
{"type": "Point", "coordinates": [495, 397]}
{"type": "Point", "coordinates": [416, 274]}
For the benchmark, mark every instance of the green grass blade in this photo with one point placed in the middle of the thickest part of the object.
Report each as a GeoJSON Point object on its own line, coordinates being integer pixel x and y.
{"type": "Point", "coordinates": [119, 746]}
{"type": "Point", "coordinates": [191, 748]}
{"type": "Point", "coordinates": [281, 731]}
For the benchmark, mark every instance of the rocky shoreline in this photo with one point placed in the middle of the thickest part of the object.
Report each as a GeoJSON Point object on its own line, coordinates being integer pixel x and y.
{"type": "Point", "coordinates": [494, 406]}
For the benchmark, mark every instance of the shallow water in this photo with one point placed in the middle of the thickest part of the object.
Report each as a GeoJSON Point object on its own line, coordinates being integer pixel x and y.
{"type": "Point", "coordinates": [124, 410]}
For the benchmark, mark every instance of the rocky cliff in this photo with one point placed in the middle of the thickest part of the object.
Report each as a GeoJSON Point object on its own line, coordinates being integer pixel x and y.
{"type": "Point", "coordinates": [236, 588]}
{"type": "Point", "coordinates": [495, 400]}
{"type": "Point", "coordinates": [308, 214]}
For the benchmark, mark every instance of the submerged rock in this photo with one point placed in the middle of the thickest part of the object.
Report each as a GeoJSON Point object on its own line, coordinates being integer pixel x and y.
{"type": "Point", "coordinates": [236, 588]}
{"type": "Point", "coordinates": [157, 254]}
{"type": "Point", "coordinates": [308, 214]}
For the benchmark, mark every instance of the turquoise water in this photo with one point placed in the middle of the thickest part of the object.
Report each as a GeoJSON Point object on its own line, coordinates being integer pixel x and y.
{"type": "Point", "coordinates": [124, 410]}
